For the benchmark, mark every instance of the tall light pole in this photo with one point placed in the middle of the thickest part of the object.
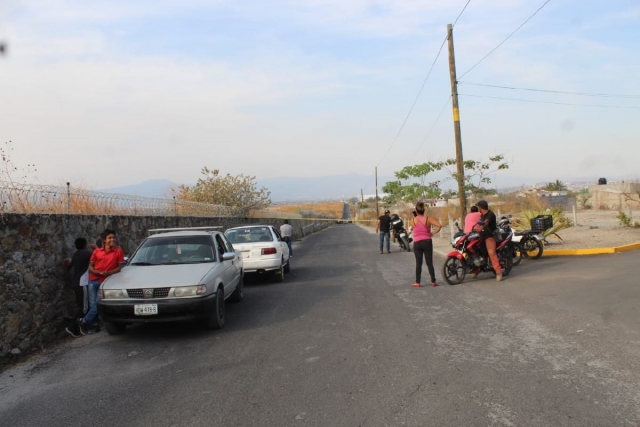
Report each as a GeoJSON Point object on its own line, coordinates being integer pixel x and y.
{"type": "Point", "coordinates": [456, 125]}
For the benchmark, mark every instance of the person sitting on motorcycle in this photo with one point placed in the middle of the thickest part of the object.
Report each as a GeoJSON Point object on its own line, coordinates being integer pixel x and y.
{"type": "Point", "coordinates": [486, 227]}
{"type": "Point", "coordinates": [471, 219]}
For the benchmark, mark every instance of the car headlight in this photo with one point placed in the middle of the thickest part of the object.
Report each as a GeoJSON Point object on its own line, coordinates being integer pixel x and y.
{"type": "Point", "coordinates": [189, 291]}
{"type": "Point", "coordinates": [111, 293]}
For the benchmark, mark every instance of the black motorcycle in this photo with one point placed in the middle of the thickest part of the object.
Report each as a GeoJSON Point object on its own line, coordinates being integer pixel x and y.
{"type": "Point", "coordinates": [400, 234]}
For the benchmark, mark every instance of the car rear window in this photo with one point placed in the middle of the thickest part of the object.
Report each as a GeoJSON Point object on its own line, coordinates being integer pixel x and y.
{"type": "Point", "coordinates": [174, 250]}
{"type": "Point", "coordinates": [249, 235]}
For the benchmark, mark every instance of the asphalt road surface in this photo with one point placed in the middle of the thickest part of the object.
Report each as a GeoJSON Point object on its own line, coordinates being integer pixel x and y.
{"type": "Point", "coordinates": [345, 341]}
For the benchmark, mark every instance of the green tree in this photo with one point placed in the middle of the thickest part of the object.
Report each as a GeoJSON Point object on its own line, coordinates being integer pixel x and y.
{"type": "Point", "coordinates": [476, 180]}
{"type": "Point", "coordinates": [238, 191]}
{"type": "Point", "coordinates": [477, 174]}
{"type": "Point", "coordinates": [556, 186]}
{"type": "Point", "coordinates": [405, 188]}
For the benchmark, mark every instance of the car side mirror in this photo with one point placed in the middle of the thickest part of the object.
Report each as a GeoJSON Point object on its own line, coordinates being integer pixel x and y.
{"type": "Point", "coordinates": [228, 256]}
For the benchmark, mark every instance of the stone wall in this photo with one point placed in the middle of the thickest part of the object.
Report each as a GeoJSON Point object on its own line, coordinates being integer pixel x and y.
{"type": "Point", "coordinates": [35, 292]}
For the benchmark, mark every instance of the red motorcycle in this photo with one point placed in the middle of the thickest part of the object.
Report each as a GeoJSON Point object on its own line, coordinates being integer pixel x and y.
{"type": "Point", "coordinates": [471, 254]}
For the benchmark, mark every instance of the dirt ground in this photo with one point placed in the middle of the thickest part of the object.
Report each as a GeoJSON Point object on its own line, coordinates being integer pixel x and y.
{"type": "Point", "coordinates": [595, 229]}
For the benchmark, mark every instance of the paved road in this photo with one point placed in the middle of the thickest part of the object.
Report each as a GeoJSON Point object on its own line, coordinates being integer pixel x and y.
{"type": "Point", "coordinates": [346, 341]}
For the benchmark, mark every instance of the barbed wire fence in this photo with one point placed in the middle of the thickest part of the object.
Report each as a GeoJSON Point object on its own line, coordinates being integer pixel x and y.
{"type": "Point", "coordinates": [49, 199]}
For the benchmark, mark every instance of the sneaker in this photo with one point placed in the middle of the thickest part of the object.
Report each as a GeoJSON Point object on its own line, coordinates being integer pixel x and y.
{"type": "Point", "coordinates": [434, 284]}
{"type": "Point", "coordinates": [416, 285]}
{"type": "Point", "coordinates": [82, 327]}
{"type": "Point", "coordinates": [474, 274]}
{"type": "Point", "coordinates": [388, 252]}
{"type": "Point", "coordinates": [498, 277]}
{"type": "Point", "coordinates": [71, 332]}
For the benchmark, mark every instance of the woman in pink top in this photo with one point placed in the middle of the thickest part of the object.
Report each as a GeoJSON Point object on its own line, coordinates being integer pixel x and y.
{"type": "Point", "coordinates": [471, 220]}
{"type": "Point", "coordinates": [422, 244]}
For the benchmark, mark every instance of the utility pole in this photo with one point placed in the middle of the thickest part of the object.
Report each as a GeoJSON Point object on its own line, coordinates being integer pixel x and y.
{"type": "Point", "coordinates": [377, 209]}
{"type": "Point", "coordinates": [456, 125]}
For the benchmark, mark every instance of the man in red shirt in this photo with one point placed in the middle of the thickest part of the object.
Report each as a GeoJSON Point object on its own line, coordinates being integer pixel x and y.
{"type": "Point", "coordinates": [104, 262]}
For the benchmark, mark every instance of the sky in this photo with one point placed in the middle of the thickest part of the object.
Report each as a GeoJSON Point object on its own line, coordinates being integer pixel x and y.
{"type": "Point", "coordinates": [109, 93]}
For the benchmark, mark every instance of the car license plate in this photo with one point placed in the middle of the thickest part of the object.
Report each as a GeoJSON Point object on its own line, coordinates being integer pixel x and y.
{"type": "Point", "coordinates": [145, 309]}
{"type": "Point", "coordinates": [246, 254]}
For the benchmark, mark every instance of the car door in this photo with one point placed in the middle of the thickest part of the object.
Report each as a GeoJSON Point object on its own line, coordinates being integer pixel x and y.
{"type": "Point", "coordinates": [284, 248]}
{"type": "Point", "coordinates": [228, 269]}
{"type": "Point", "coordinates": [237, 260]}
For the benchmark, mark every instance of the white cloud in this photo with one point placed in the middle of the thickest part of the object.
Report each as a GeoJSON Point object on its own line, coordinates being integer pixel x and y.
{"type": "Point", "coordinates": [74, 98]}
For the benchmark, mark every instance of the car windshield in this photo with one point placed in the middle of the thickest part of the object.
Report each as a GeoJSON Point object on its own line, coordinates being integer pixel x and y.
{"type": "Point", "coordinates": [174, 250]}
{"type": "Point", "coordinates": [249, 235]}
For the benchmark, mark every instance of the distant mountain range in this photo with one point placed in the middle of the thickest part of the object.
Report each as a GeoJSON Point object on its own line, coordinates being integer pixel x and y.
{"type": "Point", "coordinates": [160, 188]}
{"type": "Point", "coordinates": [335, 187]}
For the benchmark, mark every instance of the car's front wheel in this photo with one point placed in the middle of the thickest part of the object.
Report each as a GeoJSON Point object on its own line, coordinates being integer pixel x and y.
{"type": "Point", "coordinates": [115, 328]}
{"type": "Point", "coordinates": [216, 318]}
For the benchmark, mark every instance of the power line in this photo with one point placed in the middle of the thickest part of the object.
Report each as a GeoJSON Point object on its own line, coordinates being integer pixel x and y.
{"type": "Point", "coordinates": [414, 102]}
{"type": "Point", "coordinates": [433, 126]}
{"type": "Point", "coordinates": [422, 87]}
{"type": "Point", "coordinates": [502, 42]}
{"type": "Point", "coordinates": [461, 12]}
{"type": "Point", "coordinates": [550, 102]}
{"type": "Point", "coordinates": [604, 95]}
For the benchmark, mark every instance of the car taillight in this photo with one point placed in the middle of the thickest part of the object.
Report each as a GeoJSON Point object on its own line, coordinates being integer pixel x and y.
{"type": "Point", "coordinates": [269, 251]}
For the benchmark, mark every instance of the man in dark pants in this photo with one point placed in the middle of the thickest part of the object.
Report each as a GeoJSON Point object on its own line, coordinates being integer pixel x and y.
{"type": "Point", "coordinates": [383, 227]}
{"type": "Point", "coordinates": [79, 264]}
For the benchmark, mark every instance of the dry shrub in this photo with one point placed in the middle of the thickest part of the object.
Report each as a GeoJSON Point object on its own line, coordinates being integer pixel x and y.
{"type": "Point", "coordinates": [512, 204]}
{"type": "Point", "coordinates": [329, 209]}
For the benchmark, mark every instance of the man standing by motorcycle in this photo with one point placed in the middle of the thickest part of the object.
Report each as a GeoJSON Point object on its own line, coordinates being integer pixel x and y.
{"type": "Point", "coordinates": [486, 228]}
{"type": "Point", "coordinates": [384, 228]}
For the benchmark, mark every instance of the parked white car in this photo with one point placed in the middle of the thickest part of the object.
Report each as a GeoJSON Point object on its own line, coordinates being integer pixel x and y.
{"type": "Point", "coordinates": [175, 275]}
{"type": "Point", "coordinates": [263, 249]}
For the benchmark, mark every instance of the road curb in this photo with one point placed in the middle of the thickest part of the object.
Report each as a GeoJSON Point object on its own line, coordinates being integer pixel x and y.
{"type": "Point", "coordinates": [592, 251]}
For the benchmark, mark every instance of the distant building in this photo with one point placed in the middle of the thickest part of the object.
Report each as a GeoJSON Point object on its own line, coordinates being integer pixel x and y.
{"type": "Point", "coordinates": [615, 196]}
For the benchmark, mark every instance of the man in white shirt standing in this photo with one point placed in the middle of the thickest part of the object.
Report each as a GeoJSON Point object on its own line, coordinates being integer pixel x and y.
{"type": "Point", "coordinates": [285, 230]}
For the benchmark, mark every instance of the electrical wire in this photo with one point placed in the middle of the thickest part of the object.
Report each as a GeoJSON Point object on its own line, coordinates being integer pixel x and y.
{"type": "Point", "coordinates": [502, 42]}
{"type": "Point", "coordinates": [414, 103]}
{"type": "Point", "coordinates": [604, 95]}
{"type": "Point", "coordinates": [422, 87]}
{"type": "Point", "coordinates": [433, 125]}
{"type": "Point", "coordinates": [550, 102]}
{"type": "Point", "coordinates": [460, 14]}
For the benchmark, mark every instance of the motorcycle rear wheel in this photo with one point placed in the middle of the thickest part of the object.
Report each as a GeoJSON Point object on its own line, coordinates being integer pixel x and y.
{"type": "Point", "coordinates": [531, 247]}
{"type": "Point", "coordinates": [454, 271]}
{"type": "Point", "coordinates": [406, 244]}
{"type": "Point", "coordinates": [506, 263]}
{"type": "Point", "coordinates": [517, 253]}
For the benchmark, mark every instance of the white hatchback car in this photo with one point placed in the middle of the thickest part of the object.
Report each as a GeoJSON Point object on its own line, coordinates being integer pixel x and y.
{"type": "Point", "coordinates": [263, 249]}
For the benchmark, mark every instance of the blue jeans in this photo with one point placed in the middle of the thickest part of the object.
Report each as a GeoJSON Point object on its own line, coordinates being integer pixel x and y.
{"type": "Point", "coordinates": [384, 236]}
{"type": "Point", "coordinates": [94, 296]}
{"type": "Point", "coordinates": [288, 240]}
